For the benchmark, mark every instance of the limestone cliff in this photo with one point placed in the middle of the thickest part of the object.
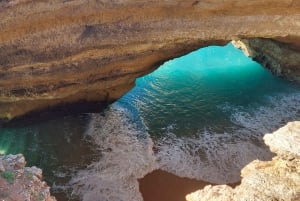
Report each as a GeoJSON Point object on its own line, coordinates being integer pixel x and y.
{"type": "Point", "coordinates": [19, 183]}
{"type": "Point", "coordinates": [278, 179]}
{"type": "Point", "coordinates": [56, 52]}
{"type": "Point", "coordinates": [282, 59]}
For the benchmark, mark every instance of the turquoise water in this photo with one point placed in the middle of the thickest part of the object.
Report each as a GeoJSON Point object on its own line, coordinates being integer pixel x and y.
{"type": "Point", "coordinates": [200, 116]}
{"type": "Point", "coordinates": [189, 92]}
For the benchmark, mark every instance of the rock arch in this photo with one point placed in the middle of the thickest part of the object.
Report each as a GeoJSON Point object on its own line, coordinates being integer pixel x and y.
{"type": "Point", "coordinates": [60, 53]}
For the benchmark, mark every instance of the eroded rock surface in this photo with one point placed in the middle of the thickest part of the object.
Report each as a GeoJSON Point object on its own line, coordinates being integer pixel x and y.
{"type": "Point", "coordinates": [278, 179]}
{"type": "Point", "coordinates": [281, 58]}
{"type": "Point", "coordinates": [19, 183]}
{"type": "Point", "coordinates": [56, 52]}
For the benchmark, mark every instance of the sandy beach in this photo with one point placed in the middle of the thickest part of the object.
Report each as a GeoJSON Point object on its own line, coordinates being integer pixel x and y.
{"type": "Point", "coordinates": [160, 185]}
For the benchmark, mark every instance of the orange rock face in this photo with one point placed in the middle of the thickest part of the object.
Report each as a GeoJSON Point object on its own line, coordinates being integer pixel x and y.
{"type": "Point", "coordinates": [19, 183]}
{"type": "Point", "coordinates": [57, 52]}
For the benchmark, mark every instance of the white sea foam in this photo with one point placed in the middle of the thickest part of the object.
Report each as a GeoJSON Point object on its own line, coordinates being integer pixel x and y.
{"type": "Point", "coordinates": [219, 157]}
{"type": "Point", "coordinates": [280, 109]}
{"type": "Point", "coordinates": [207, 157]}
{"type": "Point", "coordinates": [126, 155]}
{"type": "Point", "coordinates": [127, 152]}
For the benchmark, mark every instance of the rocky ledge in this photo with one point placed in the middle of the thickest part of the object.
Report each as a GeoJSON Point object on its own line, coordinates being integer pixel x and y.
{"type": "Point", "coordinates": [280, 58]}
{"type": "Point", "coordinates": [64, 52]}
{"type": "Point", "coordinates": [278, 179]}
{"type": "Point", "coordinates": [20, 183]}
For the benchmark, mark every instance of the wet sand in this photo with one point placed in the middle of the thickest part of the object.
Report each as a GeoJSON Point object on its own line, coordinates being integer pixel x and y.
{"type": "Point", "coordinates": [160, 185]}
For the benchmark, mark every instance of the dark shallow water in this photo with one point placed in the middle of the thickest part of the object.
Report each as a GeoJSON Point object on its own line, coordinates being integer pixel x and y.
{"type": "Point", "coordinates": [58, 146]}
{"type": "Point", "coordinates": [201, 116]}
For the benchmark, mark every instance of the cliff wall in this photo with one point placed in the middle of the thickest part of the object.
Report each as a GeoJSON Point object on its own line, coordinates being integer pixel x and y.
{"type": "Point", "coordinates": [62, 52]}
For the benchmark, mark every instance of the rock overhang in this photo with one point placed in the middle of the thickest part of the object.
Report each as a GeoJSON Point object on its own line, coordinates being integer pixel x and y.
{"type": "Point", "coordinates": [57, 53]}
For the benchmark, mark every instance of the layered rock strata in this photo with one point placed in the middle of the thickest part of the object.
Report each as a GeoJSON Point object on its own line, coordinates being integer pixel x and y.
{"type": "Point", "coordinates": [278, 179]}
{"type": "Point", "coordinates": [19, 183]}
{"type": "Point", "coordinates": [281, 58]}
{"type": "Point", "coordinates": [57, 52]}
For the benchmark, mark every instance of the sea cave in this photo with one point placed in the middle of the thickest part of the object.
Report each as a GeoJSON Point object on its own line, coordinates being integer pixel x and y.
{"type": "Point", "coordinates": [149, 100]}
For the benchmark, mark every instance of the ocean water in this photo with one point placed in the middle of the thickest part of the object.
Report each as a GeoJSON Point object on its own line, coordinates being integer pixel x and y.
{"type": "Point", "coordinates": [200, 116]}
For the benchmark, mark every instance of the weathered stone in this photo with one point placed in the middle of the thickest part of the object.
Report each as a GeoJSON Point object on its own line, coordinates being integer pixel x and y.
{"type": "Point", "coordinates": [278, 179]}
{"type": "Point", "coordinates": [35, 172]}
{"type": "Point", "coordinates": [2, 168]}
{"type": "Point", "coordinates": [55, 52]}
{"type": "Point", "coordinates": [281, 58]}
{"type": "Point", "coordinates": [285, 141]}
{"type": "Point", "coordinates": [20, 183]}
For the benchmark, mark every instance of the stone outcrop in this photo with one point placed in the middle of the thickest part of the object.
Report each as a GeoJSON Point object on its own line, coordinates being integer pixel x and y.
{"type": "Point", "coordinates": [19, 183]}
{"type": "Point", "coordinates": [278, 179]}
{"type": "Point", "coordinates": [57, 52]}
{"type": "Point", "coordinates": [282, 59]}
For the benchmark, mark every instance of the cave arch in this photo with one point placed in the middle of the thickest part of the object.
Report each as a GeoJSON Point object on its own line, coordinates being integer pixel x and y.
{"type": "Point", "coordinates": [67, 52]}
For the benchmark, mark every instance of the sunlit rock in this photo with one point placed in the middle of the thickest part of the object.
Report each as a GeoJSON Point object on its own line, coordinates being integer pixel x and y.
{"type": "Point", "coordinates": [278, 179]}
{"type": "Point", "coordinates": [281, 58]}
{"type": "Point", "coordinates": [57, 53]}
{"type": "Point", "coordinates": [20, 183]}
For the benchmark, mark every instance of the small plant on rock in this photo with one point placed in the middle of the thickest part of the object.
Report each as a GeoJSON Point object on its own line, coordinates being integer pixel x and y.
{"type": "Point", "coordinates": [9, 176]}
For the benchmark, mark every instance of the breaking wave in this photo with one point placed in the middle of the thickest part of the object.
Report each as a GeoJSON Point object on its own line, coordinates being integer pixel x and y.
{"type": "Point", "coordinates": [200, 116]}
{"type": "Point", "coordinates": [125, 155]}
{"type": "Point", "coordinates": [128, 152]}
{"type": "Point", "coordinates": [219, 157]}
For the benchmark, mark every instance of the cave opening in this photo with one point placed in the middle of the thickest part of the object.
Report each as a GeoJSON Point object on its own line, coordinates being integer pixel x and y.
{"type": "Point", "coordinates": [206, 113]}
{"type": "Point", "coordinates": [200, 117]}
